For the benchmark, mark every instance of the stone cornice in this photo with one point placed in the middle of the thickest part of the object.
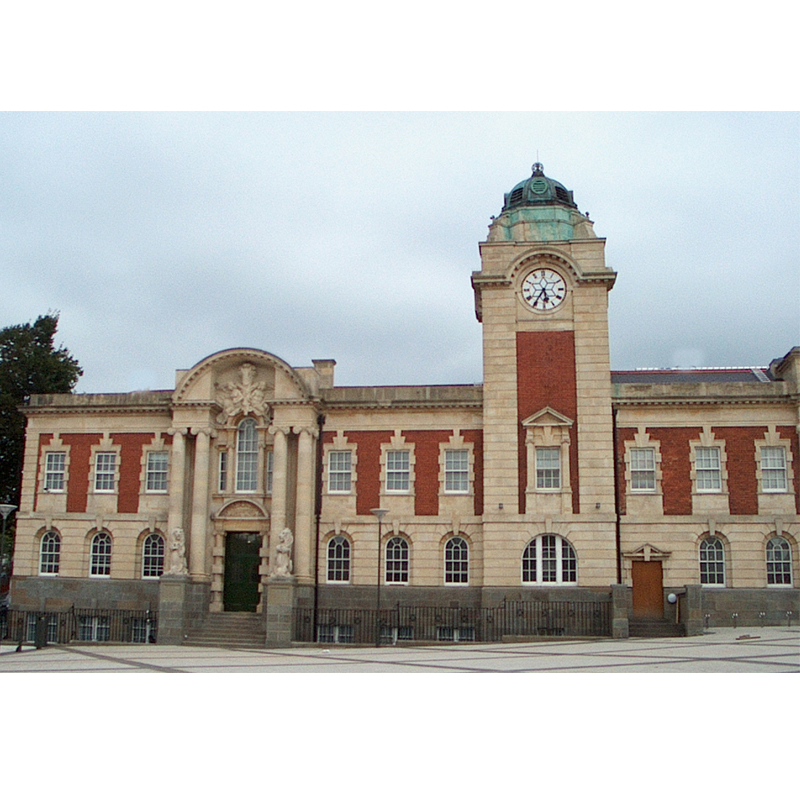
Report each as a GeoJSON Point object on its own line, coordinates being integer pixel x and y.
{"type": "Point", "coordinates": [782, 400]}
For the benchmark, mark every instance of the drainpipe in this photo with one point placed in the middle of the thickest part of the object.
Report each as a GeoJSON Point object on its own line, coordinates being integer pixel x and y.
{"type": "Point", "coordinates": [616, 497]}
{"type": "Point", "coordinates": [317, 515]}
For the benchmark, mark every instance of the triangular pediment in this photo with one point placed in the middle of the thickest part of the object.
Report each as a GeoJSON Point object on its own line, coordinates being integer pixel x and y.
{"type": "Point", "coordinates": [648, 552]}
{"type": "Point", "coordinates": [547, 416]}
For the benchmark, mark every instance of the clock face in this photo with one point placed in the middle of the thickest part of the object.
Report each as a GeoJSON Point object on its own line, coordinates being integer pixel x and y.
{"type": "Point", "coordinates": [544, 289]}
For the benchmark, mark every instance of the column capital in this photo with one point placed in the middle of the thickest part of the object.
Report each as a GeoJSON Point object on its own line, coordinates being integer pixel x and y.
{"type": "Point", "coordinates": [197, 431]}
{"type": "Point", "coordinates": [284, 429]}
{"type": "Point", "coordinates": [306, 430]}
{"type": "Point", "coordinates": [177, 431]}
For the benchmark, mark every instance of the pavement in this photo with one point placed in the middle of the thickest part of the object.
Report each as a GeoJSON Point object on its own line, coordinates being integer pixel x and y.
{"type": "Point", "coordinates": [719, 650]}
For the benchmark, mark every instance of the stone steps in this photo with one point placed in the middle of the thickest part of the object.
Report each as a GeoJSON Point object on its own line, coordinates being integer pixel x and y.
{"type": "Point", "coordinates": [229, 629]}
{"type": "Point", "coordinates": [655, 628]}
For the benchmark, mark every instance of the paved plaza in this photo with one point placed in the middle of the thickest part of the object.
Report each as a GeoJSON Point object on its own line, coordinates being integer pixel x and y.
{"type": "Point", "coordinates": [720, 650]}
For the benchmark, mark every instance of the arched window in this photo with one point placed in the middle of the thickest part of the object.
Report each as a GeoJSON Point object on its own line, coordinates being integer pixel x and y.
{"type": "Point", "coordinates": [549, 559]}
{"type": "Point", "coordinates": [101, 555]}
{"type": "Point", "coordinates": [50, 554]}
{"type": "Point", "coordinates": [247, 456]}
{"type": "Point", "coordinates": [153, 556]}
{"type": "Point", "coordinates": [779, 562]}
{"type": "Point", "coordinates": [456, 561]}
{"type": "Point", "coordinates": [712, 562]}
{"type": "Point", "coordinates": [338, 560]}
{"type": "Point", "coordinates": [397, 560]}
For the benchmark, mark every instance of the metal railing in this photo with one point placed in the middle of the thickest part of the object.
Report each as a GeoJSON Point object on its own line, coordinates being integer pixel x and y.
{"type": "Point", "coordinates": [79, 624]}
{"type": "Point", "coordinates": [441, 624]}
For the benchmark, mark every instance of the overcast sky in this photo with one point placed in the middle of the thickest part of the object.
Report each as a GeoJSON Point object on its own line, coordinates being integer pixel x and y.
{"type": "Point", "coordinates": [164, 237]}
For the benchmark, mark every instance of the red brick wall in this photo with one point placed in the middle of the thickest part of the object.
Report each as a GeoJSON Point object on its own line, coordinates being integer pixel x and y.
{"type": "Point", "coordinates": [546, 377]}
{"type": "Point", "coordinates": [789, 432]}
{"type": "Point", "coordinates": [476, 438]}
{"type": "Point", "coordinates": [426, 470]}
{"type": "Point", "coordinates": [130, 469]}
{"type": "Point", "coordinates": [623, 435]}
{"type": "Point", "coordinates": [676, 482]}
{"type": "Point", "coordinates": [44, 440]}
{"type": "Point", "coordinates": [368, 486]}
{"type": "Point", "coordinates": [740, 449]}
{"type": "Point", "coordinates": [80, 451]}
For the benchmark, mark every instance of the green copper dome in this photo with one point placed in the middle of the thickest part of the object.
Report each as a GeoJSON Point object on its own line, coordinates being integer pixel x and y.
{"type": "Point", "coordinates": [538, 190]}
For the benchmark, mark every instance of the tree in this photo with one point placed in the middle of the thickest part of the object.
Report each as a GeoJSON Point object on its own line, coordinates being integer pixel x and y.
{"type": "Point", "coordinates": [29, 364]}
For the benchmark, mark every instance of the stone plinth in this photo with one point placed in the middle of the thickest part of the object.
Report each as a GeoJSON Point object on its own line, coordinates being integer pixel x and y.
{"type": "Point", "coordinates": [620, 607]}
{"type": "Point", "coordinates": [172, 600]}
{"type": "Point", "coordinates": [694, 610]}
{"type": "Point", "coordinates": [279, 610]}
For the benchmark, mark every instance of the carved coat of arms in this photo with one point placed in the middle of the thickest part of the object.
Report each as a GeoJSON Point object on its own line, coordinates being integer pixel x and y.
{"type": "Point", "coordinates": [247, 397]}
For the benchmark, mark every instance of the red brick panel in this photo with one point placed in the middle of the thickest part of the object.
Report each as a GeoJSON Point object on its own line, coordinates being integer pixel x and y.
{"type": "Point", "coordinates": [623, 435]}
{"type": "Point", "coordinates": [740, 449]}
{"type": "Point", "coordinates": [44, 440]}
{"type": "Point", "coordinates": [426, 471]}
{"type": "Point", "coordinates": [130, 469]}
{"type": "Point", "coordinates": [676, 478]}
{"type": "Point", "coordinates": [476, 438]}
{"type": "Point", "coordinates": [80, 452]}
{"type": "Point", "coordinates": [368, 451]}
{"type": "Point", "coordinates": [790, 432]}
{"type": "Point", "coordinates": [546, 377]}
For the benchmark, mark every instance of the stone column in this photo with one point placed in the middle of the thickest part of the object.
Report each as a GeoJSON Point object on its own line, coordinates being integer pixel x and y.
{"type": "Point", "coordinates": [199, 529]}
{"type": "Point", "coordinates": [177, 474]}
{"type": "Point", "coordinates": [278, 512]}
{"type": "Point", "coordinates": [304, 513]}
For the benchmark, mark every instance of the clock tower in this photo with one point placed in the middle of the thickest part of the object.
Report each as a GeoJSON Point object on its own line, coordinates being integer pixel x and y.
{"type": "Point", "coordinates": [541, 295]}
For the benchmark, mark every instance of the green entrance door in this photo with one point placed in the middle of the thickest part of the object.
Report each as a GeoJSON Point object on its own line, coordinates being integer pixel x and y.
{"type": "Point", "coordinates": [241, 571]}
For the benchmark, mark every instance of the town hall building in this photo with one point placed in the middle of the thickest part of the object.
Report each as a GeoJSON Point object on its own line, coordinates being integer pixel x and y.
{"type": "Point", "coordinates": [263, 492]}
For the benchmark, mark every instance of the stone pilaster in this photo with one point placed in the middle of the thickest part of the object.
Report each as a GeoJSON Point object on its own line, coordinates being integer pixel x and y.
{"type": "Point", "coordinates": [199, 529]}
{"type": "Point", "coordinates": [304, 513]}
{"type": "Point", "coordinates": [177, 476]}
{"type": "Point", "coordinates": [279, 480]}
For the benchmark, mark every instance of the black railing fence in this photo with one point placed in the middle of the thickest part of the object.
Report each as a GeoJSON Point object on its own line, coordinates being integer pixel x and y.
{"type": "Point", "coordinates": [79, 624]}
{"type": "Point", "coordinates": [440, 624]}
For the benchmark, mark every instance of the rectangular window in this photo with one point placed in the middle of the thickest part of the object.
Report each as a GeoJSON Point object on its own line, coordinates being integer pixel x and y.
{"type": "Point", "coordinates": [54, 468]}
{"type": "Point", "coordinates": [270, 469]}
{"type": "Point", "coordinates": [104, 472]}
{"type": "Point", "coordinates": [773, 469]}
{"type": "Point", "coordinates": [157, 462]}
{"type": "Point", "coordinates": [223, 470]}
{"type": "Point", "coordinates": [398, 471]}
{"type": "Point", "coordinates": [456, 471]}
{"type": "Point", "coordinates": [643, 469]}
{"type": "Point", "coordinates": [548, 467]}
{"type": "Point", "coordinates": [339, 471]}
{"type": "Point", "coordinates": [707, 467]}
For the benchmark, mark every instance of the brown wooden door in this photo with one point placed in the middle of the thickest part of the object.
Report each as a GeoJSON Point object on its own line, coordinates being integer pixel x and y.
{"type": "Point", "coordinates": [648, 590]}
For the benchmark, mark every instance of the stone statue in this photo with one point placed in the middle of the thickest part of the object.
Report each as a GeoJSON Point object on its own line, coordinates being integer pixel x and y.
{"type": "Point", "coordinates": [283, 560]}
{"type": "Point", "coordinates": [177, 553]}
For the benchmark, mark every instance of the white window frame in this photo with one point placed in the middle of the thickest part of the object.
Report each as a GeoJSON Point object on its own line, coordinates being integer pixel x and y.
{"type": "Point", "coordinates": [105, 466]}
{"type": "Point", "coordinates": [339, 563]}
{"type": "Point", "coordinates": [55, 473]}
{"type": "Point", "coordinates": [456, 475]}
{"type": "Point", "coordinates": [52, 564]}
{"type": "Point", "coordinates": [222, 471]}
{"type": "Point", "coordinates": [154, 476]}
{"type": "Point", "coordinates": [100, 561]}
{"type": "Point", "coordinates": [561, 561]}
{"type": "Point", "coordinates": [788, 572]}
{"type": "Point", "coordinates": [269, 470]}
{"type": "Point", "coordinates": [453, 573]}
{"type": "Point", "coordinates": [247, 457]}
{"type": "Point", "coordinates": [401, 565]}
{"type": "Point", "coordinates": [340, 471]}
{"type": "Point", "coordinates": [153, 563]}
{"type": "Point", "coordinates": [398, 472]}
{"type": "Point", "coordinates": [646, 471]}
{"type": "Point", "coordinates": [548, 477]}
{"type": "Point", "coordinates": [708, 469]}
{"type": "Point", "coordinates": [715, 567]}
{"type": "Point", "coordinates": [778, 472]}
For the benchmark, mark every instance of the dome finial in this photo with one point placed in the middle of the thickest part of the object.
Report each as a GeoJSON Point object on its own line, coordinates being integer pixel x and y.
{"type": "Point", "coordinates": [538, 170]}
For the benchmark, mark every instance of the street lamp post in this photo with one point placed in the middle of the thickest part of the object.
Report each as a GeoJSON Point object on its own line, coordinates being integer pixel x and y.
{"type": "Point", "coordinates": [380, 513]}
{"type": "Point", "coordinates": [5, 510]}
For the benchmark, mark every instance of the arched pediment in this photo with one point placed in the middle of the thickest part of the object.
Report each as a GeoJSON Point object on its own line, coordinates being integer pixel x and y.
{"type": "Point", "coordinates": [241, 381]}
{"type": "Point", "coordinates": [239, 508]}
